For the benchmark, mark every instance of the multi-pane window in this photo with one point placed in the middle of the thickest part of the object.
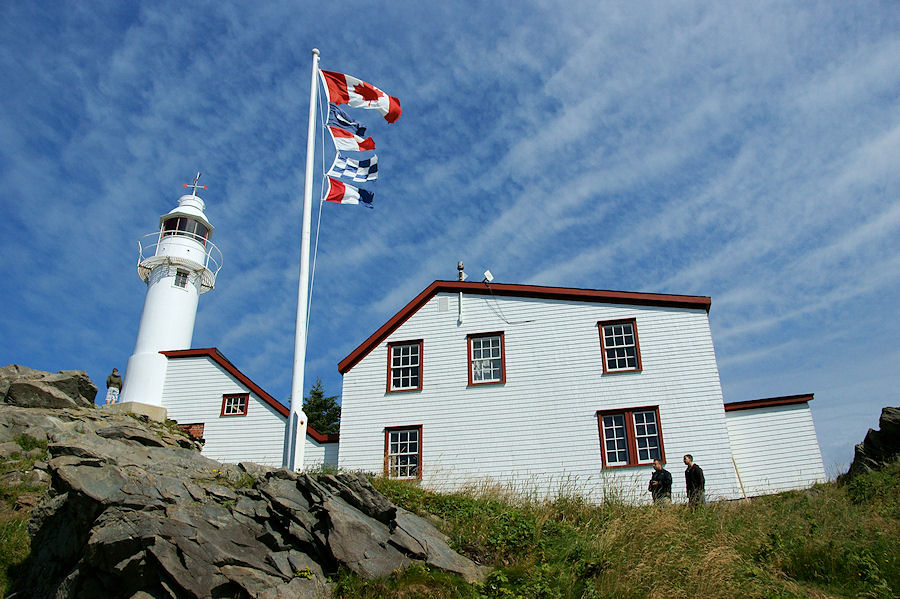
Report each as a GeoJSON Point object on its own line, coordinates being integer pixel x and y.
{"type": "Point", "coordinates": [403, 452]}
{"type": "Point", "coordinates": [615, 444]}
{"type": "Point", "coordinates": [646, 436]}
{"type": "Point", "coordinates": [405, 366]}
{"type": "Point", "coordinates": [486, 360]}
{"type": "Point", "coordinates": [235, 404]}
{"type": "Point", "coordinates": [619, 344]}
{"type": "Point", "coordinates": [630, 437]}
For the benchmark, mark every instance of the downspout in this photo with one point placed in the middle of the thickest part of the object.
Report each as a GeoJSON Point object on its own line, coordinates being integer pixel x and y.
{"type": "Point", "coordinates": [462, 277]}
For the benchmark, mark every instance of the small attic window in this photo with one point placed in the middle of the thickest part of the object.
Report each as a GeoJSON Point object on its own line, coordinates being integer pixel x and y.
{"type": "Point", "coordinates": [235, 404]}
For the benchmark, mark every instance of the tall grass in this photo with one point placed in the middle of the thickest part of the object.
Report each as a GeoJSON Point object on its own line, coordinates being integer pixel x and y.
{"type": "Point", "coordinates": [827, 541]}
{"type": "Point", "coordinates": [15, 545]}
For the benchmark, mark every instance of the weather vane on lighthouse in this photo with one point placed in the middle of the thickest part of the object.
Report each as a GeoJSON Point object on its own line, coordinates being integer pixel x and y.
{"type": "Point", "coordinates": [194, 187]}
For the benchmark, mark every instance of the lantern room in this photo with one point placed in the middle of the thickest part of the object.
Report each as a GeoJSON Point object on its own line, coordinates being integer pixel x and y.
{"type": "Point", "coordinates": [183, 240]}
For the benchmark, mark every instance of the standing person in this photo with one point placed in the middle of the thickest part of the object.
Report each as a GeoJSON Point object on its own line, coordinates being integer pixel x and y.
{"type": "Point", "coordinates": [660, 484]}
{"type": "Point", "coordinates": [113, 386]}
{"type": "Point", "coordinates": [694, 481]}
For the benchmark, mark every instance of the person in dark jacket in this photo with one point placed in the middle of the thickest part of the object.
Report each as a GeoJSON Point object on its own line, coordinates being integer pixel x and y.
{"type": "Point", "coordinates": [113, 386]}
{"type": "Point", "coordinates": [694, 481]}
{"type": "Point", "coordinates": [660, 484]}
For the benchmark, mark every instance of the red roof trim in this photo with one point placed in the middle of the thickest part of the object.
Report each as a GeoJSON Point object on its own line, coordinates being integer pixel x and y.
{"type": "Point", "coordinates": [768, 402]}
{"type": "Point", "coordinates": [218, 358]}
{"type": "Point", "coordinates": [533, 291]}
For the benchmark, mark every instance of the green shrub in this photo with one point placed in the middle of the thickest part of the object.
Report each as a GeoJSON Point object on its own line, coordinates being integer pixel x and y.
{"type": "Point", "coordinates": [28, 443]}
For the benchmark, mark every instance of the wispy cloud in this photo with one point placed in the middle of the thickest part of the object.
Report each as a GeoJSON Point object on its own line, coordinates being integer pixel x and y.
{"type": "Point", "coordinates": [745, 152]}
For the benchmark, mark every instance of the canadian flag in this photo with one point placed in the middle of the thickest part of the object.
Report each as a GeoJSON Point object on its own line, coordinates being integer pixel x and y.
{"type": "Point", "coordinates": [346, 89]}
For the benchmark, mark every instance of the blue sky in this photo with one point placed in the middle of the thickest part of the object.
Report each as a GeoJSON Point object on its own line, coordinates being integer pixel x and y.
{"type": "Point", "coordinates": [747, 151]}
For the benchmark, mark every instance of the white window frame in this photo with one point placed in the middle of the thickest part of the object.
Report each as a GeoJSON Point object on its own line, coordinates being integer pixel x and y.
{"type": "Point", "coordinates": [645, 441]}
{"type": "Point", "coordinates": [403, 452]}
{"type": "Point", "coordinates": [615, 438]}
{"type": "Point", "coordinates": [411, 369]}
{"type": "Point", "coordinates": [638, 442]}
{"type": "Point", "coordinates": [493, 363]}
{"type": "Point", "coordinates": [235, 404]}
{"type": "Point", "coordinates": [618, 345]}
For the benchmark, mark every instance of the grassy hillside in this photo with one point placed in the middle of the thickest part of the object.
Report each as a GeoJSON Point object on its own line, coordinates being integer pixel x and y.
{"type": "Point", "coordinates": [828, 541]}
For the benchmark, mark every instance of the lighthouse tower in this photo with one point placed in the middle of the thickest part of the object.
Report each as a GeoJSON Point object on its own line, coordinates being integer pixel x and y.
{"type": "Point", "coordinates": [178, 263]}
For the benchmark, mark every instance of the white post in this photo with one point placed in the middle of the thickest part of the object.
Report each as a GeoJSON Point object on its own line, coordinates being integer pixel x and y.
{"type": "Point", "coordinates": [297, 419]}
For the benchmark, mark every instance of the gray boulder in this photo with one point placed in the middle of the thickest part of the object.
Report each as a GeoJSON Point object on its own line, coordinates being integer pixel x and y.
{"type": "Point", "coordinates": [29, 388]}
{"type": "Point", "coordinates": [879, 448]}
{"type": "Point", "coordinates": [133, 512]}
{"type": "Point", "coordinates": [15, 372]}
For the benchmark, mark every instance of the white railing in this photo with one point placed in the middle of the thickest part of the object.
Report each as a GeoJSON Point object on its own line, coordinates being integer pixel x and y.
{"type": "Point", "coordinates": [147, 245]}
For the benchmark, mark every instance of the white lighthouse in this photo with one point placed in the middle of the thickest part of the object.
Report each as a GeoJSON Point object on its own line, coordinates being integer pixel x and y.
{"type": "Point", "coordinates": [178, 263]}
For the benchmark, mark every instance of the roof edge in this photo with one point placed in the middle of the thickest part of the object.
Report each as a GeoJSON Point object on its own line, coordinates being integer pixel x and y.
{"type": "Point", "coordinates": [695, 302]}
{"type": "Point", "coordinates": [768, 402]}
{"type": "Point", "coordinates": [221, 360]}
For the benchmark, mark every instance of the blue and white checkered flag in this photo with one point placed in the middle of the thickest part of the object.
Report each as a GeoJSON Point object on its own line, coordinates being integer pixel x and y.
{"type": "Point", "coordinates": [355, 170]}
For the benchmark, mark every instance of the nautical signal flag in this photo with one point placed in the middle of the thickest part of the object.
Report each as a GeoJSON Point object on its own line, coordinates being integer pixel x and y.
{"type": "Point", "coordinates": [339, 118]}
{"type": "Point", "coordinates": [355, 170]}
{"type": "Point", "coordinates": [346, 140]}
{"type": "Point", "coordinates": [341, 193]}
{"type": "Point", "coordinates": [346, 89]}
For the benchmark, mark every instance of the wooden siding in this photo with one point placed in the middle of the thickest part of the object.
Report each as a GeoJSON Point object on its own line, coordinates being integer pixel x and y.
{"type": "Point", "coordinates": [538, 431]}
{"type": "Point", "coordinates": [775, 448]}
{"type": "Point", "coordinates": [193, 394]}
{"type": "Point", "coordinates": [317, 455]}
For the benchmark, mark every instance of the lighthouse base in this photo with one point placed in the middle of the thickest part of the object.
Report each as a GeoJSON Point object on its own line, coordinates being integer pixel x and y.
{"type": "Point", "coordinates": [157, 413]}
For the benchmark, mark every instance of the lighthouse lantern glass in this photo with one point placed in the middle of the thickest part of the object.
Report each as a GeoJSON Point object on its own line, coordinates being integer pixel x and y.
{"type": "Point", "coordinates": [182, 225]}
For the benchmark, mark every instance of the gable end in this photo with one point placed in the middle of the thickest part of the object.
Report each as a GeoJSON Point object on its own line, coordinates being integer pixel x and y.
{"type": "Point", "coordinates": [216, 356]}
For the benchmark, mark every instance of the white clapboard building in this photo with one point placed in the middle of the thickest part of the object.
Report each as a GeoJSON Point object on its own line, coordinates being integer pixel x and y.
{"type": "Point", "coordinates": [546, 390]}
{"type": "Point", "coordinates": [774, 444]}
{"type": "Point", "coordinates": [213, 400]}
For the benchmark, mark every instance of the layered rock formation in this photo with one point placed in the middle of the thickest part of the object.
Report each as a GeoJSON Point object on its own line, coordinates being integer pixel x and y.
{"type": "Point", "coordinates": [134, 511]}
{"type": "Point", "coordinates": [879, 447]}
{"type": "Point", "coordinates": [29, 388]}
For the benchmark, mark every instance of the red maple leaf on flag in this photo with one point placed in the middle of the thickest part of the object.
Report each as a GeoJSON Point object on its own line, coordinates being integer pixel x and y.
{"type": "Point", "coordinates": [368, 93]}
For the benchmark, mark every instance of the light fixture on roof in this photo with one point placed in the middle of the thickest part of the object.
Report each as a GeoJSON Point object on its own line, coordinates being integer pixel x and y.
{"type": "Point", "coordinates": [462, 276]}
{"type": "Point", "coordinates": [488, 277]}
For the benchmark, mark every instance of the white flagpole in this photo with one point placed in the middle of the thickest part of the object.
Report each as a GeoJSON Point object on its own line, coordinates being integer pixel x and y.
{"type": "Point", "coordinates": [297, 421]}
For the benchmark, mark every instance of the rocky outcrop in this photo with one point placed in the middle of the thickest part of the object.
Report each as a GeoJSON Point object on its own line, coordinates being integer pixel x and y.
{"type": "Point", "coordinates": [880, 447]}
{"type": "Point", "coordinates": [29, 388]}
{"type": "Point", "coordinates": [135, 511]}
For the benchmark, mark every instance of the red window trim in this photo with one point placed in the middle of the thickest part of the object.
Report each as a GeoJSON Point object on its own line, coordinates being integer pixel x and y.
{"type": "Point", "coordinates": [228, 396]}
{"type": "Point", "coordinates": [387, 441]}
{"type": "Point", "coordinates": [637, 344]}
{"type": "Point", "coordinates": [469, 338]}
{"type": "Point", "coordinates": [391, 346]}
{"type": "Point", "coordinates": [689, 302]}
{"type": "Point", "coordinates": [629, 435]}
